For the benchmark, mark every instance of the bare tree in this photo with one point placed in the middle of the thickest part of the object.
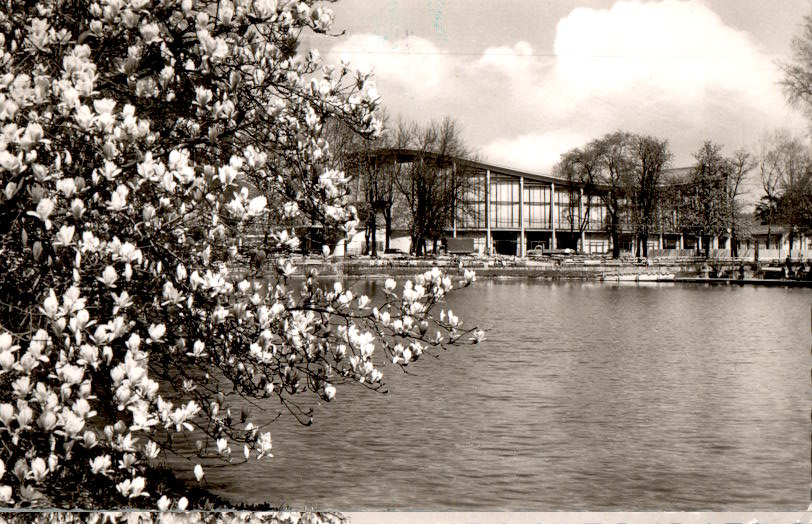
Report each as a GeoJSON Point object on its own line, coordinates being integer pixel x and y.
{"type": "Point", "coordinates": [434, 183]}
{"type": "Point", "coordinates": [371, 165]}
{"type": "Point", "coordinates": [741, 164]}
{"type": "Point", "coordinates": [581, 169]}
{"type": "Point", "coordinates": [615, 151]}
{"type": "Point", "coordinates": [625, 172]}
{"type": "Point", "coordinates": [797, 81]}
{"type": "Point", "coordinates": [795, 201]}
{"type": "Point", "coordinates": [767, 208]}
{"type": "Point", "coordinates": [706, 210]}
{"type": "Point", "coordinates": [650, 157]}
{"type": "Point", "coordinates": [785, 178]}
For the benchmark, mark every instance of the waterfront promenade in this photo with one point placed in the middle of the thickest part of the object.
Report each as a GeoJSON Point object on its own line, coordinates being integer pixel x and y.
{"type": "Point", "coordinates": [684, 269]}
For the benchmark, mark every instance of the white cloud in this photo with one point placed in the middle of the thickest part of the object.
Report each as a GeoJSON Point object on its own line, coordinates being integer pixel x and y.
{"type": "Point", "coordinates": [413, 61]}
{"type": "Point", "coordinates": [675, 48]}
{"type": "Point", "coordinates": [508, 60]}
{"type": "Point", "coordinates": [529, 151]}
{"type": "Point", "coordinates": [671, 68]}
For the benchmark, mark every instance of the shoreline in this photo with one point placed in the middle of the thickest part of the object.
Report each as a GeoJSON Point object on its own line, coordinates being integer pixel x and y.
{"type": "Point", "coordinates": [702, 271]}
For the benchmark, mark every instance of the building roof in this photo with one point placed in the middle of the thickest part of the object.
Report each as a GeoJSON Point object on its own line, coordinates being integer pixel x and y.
{"type": "Point", "coordinates": [405, 154]}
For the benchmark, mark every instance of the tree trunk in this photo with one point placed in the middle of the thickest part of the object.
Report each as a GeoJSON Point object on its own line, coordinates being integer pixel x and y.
{"type": "Point", "coordinates": [366, 239]}
{"type": "Point", "coordinates": [644, 243]}
{"type": "Point", "coordinates": [615, 235]}
{"type": "Point", "coordinates": [373, 234]}
{"type": "Point", "coordinates": [387, 218]}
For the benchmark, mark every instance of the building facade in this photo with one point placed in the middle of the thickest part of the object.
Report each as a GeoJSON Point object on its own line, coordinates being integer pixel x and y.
{"type": "Point", "coordinates": [511, 212]}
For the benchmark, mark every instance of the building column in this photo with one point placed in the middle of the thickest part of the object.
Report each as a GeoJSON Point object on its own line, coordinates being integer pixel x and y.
{"type": "Point", "coordinates": [581, 220]}
{"type": "Point", "coordinates": [660, 242]}
{"type": "Point", "coordinates": [552, 215]}
{"type": "Point", "coordinates": [488, 239]}
{"type": "Point", "coordinates": [454, 216]}
{"type": "Point", "coordinates": [682, 240]}
{"type": "Point", "coordinates": [523, 248]}
{"type": "Point", "coordinates": [729, 243]}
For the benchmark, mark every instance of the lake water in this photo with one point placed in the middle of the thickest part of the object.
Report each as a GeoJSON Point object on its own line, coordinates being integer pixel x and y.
{"type": "Point", "coordinates": [585, 396]}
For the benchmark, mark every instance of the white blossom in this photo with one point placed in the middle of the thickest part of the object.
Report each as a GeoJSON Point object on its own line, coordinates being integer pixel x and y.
{"type": "Point", "coordinates": [198, 472]}
{"type": "Point", "coordinates": [122, 224]}
{"type": "Point", "coordinates": [132, 488]}
{"type": "Point", "coordinates": [38, 471]}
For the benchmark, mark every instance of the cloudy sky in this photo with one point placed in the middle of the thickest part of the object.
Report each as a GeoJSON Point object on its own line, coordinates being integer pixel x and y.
{"type": "Point", "coordinates": [529, 79]}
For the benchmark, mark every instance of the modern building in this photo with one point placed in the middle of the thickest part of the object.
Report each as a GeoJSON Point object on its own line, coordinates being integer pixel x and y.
{"type": "Point", "coordinates": [512, 212]}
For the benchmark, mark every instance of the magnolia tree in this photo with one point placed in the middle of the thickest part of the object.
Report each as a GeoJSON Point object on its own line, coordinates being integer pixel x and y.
{"type": "Point", "coordinates": [140, 140]}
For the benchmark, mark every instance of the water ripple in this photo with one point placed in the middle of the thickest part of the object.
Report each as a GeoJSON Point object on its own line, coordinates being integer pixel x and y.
{"type": "Point", "coordinates": [583, 397]}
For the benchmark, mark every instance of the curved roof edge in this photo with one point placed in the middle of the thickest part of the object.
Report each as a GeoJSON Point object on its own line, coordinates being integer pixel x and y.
{"type": "Point", "coordinates": [496, 168]}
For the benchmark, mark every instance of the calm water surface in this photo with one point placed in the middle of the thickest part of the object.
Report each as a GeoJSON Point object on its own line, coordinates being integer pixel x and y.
{"type": "Point", "coordinates": [584, 396]}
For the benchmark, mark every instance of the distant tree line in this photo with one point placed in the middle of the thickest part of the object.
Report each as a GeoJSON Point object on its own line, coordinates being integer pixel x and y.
{"type": "Point", "coordinates": [629, 175]}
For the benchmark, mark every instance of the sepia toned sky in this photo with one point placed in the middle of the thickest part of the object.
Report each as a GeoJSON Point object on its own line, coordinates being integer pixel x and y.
{"type": "Point", "coordinates": [530, 79]}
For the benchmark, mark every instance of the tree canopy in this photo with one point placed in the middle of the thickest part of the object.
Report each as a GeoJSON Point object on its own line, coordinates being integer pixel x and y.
{"type": "Point", "coordinates": [786, 179]}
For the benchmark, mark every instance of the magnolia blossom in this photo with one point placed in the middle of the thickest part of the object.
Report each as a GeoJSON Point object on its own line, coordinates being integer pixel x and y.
{"type": "Point", "coordinates": [43, 211]}
{"type": "Point", "coordinates": [199, 472]}
{"type": "Point", "coordinates": [257, 205]}
{"type": "Point", "coordinates": [108, 276]}
{"type": "Point", "coordinates": [132, 488]}
{"type": "Point", "coordinates": [6, 413]}
{"type": "Point", "coordinates": [164, 503]}
{"type": "Point", "coordinates": [64, 236]}
{"type": "Point", "coordinates": [38, 470]}
{"type": "Point", "coordinates": [264, 445]}
{"type": "Point", "coordinates": [151, 222]}
{"type": "Point", "coordinates": [329, 391]}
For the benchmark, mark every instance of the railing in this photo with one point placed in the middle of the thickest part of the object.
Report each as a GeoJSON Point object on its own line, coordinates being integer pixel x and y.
{"type": "Point", "coordinates": [722, 254]}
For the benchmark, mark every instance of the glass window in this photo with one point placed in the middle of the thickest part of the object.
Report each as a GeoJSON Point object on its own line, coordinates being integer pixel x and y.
{"type": "Point", "coordinates": [504, 202]}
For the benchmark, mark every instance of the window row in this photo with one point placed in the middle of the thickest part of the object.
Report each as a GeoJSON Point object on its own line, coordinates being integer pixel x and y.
{"type": "Point", "coordinates": [536, 216]}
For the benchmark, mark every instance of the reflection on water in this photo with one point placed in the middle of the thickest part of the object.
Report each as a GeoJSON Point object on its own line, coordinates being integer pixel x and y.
{"type": "Point", "coordinates": [584, 396]}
